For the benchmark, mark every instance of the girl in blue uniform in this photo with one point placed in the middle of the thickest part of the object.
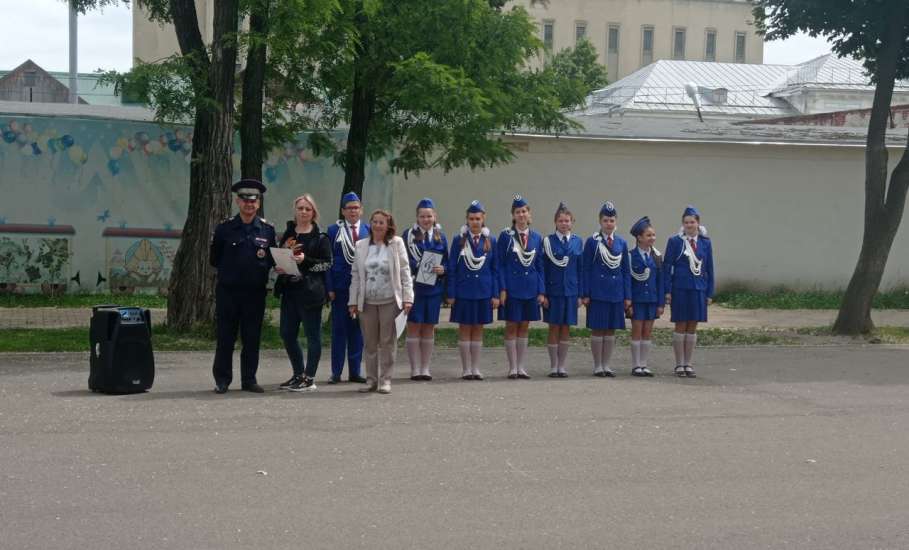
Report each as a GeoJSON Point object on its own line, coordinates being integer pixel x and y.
{"type": "Point", "coordinates": [688, 285]}
{"type": "Point", "coordinates": [425, 237]}
{"type": "Point", "coordinates": [647, 298]}
{"type": "Point", "coordinates": [605, 288]}
{"type": "Point", "coordinates": [473, 287]}
{"type": "Point", "coordinates": [562, 274]}
{"type": "Point", "coordinates": [521, 286]}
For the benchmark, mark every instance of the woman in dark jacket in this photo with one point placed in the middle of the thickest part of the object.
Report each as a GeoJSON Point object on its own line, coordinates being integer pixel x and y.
{"type": "Point", "coordinates": [302, 297]}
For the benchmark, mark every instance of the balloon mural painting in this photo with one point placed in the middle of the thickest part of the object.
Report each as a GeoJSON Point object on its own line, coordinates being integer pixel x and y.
{"type": "Point", "coordinates": [177, 141]}
{"type": "Point", "coordinates": [30, 143]}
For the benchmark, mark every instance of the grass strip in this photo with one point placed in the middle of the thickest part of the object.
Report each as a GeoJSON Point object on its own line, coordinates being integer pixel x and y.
{"type": "Point", "coordinates": [790, 299]}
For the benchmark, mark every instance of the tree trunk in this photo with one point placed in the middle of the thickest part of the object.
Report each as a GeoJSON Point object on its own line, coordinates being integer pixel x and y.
{"type": "Point", "coordinates": [191, 290]}
{"type": "Point", "coordinates": [362, 111]}
{"type": "Point", "coordinates": [883, 213]}
{"type": "Point", "coordinates": [251, 143]}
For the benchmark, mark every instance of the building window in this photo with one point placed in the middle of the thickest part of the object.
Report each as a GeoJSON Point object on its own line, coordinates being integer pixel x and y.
{"type": "Point", "coordinates": [548, 34]}
{"type": "Point", "coordinates": [580, 31]}
{"type": "Point", "coordinates": [29, 77]}
{"type": "Point", "coordinates": [739, 47]}
{"type": "Point", "coordinates": [612, 53]}
{"type": "Point", "coordinates": [646, 46]}
{"type": "Point", "coordinates": [710, 45]}
{"type": "Point", "coordinates": [678, 43]}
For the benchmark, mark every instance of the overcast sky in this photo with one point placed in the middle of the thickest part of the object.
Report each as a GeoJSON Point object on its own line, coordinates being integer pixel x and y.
{"type": "Point", "coordinates": [37, 29]}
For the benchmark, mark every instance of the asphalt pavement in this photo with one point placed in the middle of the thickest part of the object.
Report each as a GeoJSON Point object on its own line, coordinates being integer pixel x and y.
{"type": "Point", "coordinates": [768, 448]}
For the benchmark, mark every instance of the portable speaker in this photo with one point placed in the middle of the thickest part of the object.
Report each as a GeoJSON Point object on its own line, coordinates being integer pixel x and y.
{"type": "Point", "coordinates": [121, 352]}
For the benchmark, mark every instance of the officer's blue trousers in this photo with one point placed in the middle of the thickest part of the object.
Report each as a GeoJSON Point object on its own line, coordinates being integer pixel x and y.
{"type": "Point", "coordinates": [346, 338]}
{"type": "Point", "coordinates": [238, 308]}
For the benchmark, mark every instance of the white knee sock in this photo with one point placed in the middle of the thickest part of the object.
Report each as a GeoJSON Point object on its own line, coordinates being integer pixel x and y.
{"type": "Point", "coordinates": [464, 351]}
{"type": "Point", "coordinates": [596, 349]}
{"type": "Point", "coordinates": [521, 355]}
{"type": "Point", "coordinates": [475, 347]}
{"type": "Point", "coordinates": [427, 345]}
{"type": "Point", "coordinates": [413, 355]}
{"type": "Point", "coordinates": [690, 341]}
{"type": "Point", "coordinates": [511, 352]}
{"type": "Point", "coordinates": [678, 348]}
{"type": "Point", "coordinates": [645, 352]}
{"type": "Point", "coordinates": [635, 353]}
{"type": "Point", "coordinates": [608, 347]}
{"type": "Point", "coordinates": [553, 350]}
{"type": "Point", "coordinates": [563, 355]}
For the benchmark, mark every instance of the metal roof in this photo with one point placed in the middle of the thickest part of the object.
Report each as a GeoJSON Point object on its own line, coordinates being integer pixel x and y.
{"type": "Point", "coordinates": [660, 86]}
{"type": "Point", "coordinates": [88, 87]}
{"type": "Point", "coordinates": [831, 73]}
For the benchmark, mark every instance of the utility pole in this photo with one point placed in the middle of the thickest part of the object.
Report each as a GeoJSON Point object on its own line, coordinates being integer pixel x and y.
{"type": "Point", "coordinates": [73, 54]}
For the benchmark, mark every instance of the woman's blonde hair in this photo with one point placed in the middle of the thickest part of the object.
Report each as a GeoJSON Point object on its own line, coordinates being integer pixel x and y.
{"type": "Point", "coordinates": [312, 202]}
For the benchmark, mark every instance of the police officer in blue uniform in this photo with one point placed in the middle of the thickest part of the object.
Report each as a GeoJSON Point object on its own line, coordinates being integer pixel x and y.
{"type": "Point", "coordinates": [240, 252]}
{"type": "Point", "coordinates": [346, 338]}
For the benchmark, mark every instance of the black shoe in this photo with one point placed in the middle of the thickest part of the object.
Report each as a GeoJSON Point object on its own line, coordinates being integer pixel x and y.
{"type": "Point", "coordinates": [306, 384]}
{"type": "Point", "coordinates": [563, 374]}
{"type": "Point", "coordinates": [416, 378]}
{"type": "Point", "coordinates": [637, 371]}
{"type": "Point", "coordinates": [466, 377]}
{"type": "Point", "coordinates": [523, 376]}
{"type": "Point", "coordinates": [513, 376]}
{"type": "Point", "coordinates": [689, 372]}
{"type": "Point", "coordinates": [680, 371]}
{"type": "Point", "coordinates": [220, 388]}
{"type": "Point", "coordinates": [334, 380]}
{"type": "Point", "coordinates": [609, 373]}
{"type": "Point", "coordinates": [295, 379]}
{"type": "Point", "coordinates": [553, 374]}
{"type": "Point", "coordinates": [426, 377]}
{"type": "Point", "coordinates": [356, 379]}
{"type": "Point", "coordinates": [253, 388]}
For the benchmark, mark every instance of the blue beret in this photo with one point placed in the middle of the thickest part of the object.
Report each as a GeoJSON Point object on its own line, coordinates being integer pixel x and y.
{"type": "Point", "coordinates": [426, 203]}
{"type": "Point", "coordinates": [608, 209]}
{"type": "Point", "coordinates": [518, 202]}
{"type": "Point", "coordinates": [691, 211]}
{"type": "Point", "coordinates": [475, 206]}
{"type": "Point", "coordinates": [248, 188]}
{"type": "Point", "coordinates": [349, 197]}
{"type": "Point", "coordinates": [640, 226]}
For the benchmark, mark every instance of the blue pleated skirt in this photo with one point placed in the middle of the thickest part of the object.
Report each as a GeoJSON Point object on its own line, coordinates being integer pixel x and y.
{"type": "Point", "coordinates": [562, 310]}
{"type": "Point", "coordinates": [605, 315]}
{"type": "Point", "coordinates": [688, 305]}
{"type": "Point", "coordinates": [471, 312]}
{"type": "Point", "coordinates": [519, 310]}
{"type": "Point", "coordinates": [425, 309]}
{"type": "Point", "coordinates": [643, 311]}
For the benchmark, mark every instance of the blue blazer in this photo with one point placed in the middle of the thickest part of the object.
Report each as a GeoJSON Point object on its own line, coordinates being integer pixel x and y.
{"type": "Point", "coordinates": [676, 271]}
{"type": "Point", "coordinates": [441, 247]}
{"type": "Point", "coordinates": [338, 279]}
{"type": "Point", "coordinates": [598, 281]}
{"type": "Point", "coordinates": [564, 281]}
{"type": "Point", "coordinates": [651, 290]}
{"type": "Point", "coordinates": [473, 285]}
{"type": "Point", "coordinates": [522, 283]}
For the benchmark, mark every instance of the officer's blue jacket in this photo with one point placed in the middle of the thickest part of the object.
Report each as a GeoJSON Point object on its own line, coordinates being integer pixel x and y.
{"type": "Point", "coordinates": [564, 281]}
{"type": "Point", "coordinates": [241, 252]}
{"type": "Point", "coordinates": [338, 279]}
{"type": "Point", "coordinates": [598, 281]}
{"type": "Point", "coordinates": [677, 271]}
{"type": "Point", "coordinates": [522, 283]}
{"type": "Point", "coordinates": [439, 246]}
{"type": "Point", "coordinates": [473, 285]}
{"type": "Point", "coordinates": [649, 291]}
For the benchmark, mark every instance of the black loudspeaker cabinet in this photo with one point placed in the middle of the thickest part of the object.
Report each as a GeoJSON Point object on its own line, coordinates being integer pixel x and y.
{"type": "Point", "coordinates": [122, 360]}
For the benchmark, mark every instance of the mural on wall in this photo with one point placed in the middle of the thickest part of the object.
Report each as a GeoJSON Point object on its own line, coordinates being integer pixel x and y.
{"type": "Point", "coordinates": [122, 189]}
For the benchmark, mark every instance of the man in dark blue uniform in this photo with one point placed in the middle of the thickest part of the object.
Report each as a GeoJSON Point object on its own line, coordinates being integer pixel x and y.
{"type": "Point", "coordinates": [240, 252]}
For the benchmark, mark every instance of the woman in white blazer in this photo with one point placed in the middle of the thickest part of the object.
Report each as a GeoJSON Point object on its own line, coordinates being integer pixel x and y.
{"type": "Point", "coordinates": [380, 289]}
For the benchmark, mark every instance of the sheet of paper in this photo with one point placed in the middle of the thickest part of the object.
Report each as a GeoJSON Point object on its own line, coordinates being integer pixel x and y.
{"type": "Point", "coordinates": [284, 258]}
{"type": "Point", "coordinates": [401, 323]}
{"type": "Point", "coordinates": [428, 262]}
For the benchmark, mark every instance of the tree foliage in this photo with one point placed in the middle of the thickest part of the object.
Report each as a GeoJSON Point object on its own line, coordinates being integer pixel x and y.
{"type": "Point", "coordinates": [876, 31]}
{"type": "Point", "coordinates": [576, 72]}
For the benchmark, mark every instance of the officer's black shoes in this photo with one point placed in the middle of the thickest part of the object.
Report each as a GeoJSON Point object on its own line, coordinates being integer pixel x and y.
{"type": "Point", "coordinates": [220, 388]}
{"type": "Point", "coordinates": [295, 379]}
{"type": "Point", "coordinates": [334, 380]}
{"type": "Point", "coordinates": [304, 385]}
{"type": "Point", "coordinates": [357, 379]}
{"type": "Point", "coordinates": [253, 388]}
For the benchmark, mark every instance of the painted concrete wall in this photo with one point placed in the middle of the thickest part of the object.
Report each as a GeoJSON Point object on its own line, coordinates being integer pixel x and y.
{"type": "Point", "coordinates": [778, 215]}
{"type": "Point", "coordinates": [105, 199]}
{"type": "Point", "coordinates": [726, 17]}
